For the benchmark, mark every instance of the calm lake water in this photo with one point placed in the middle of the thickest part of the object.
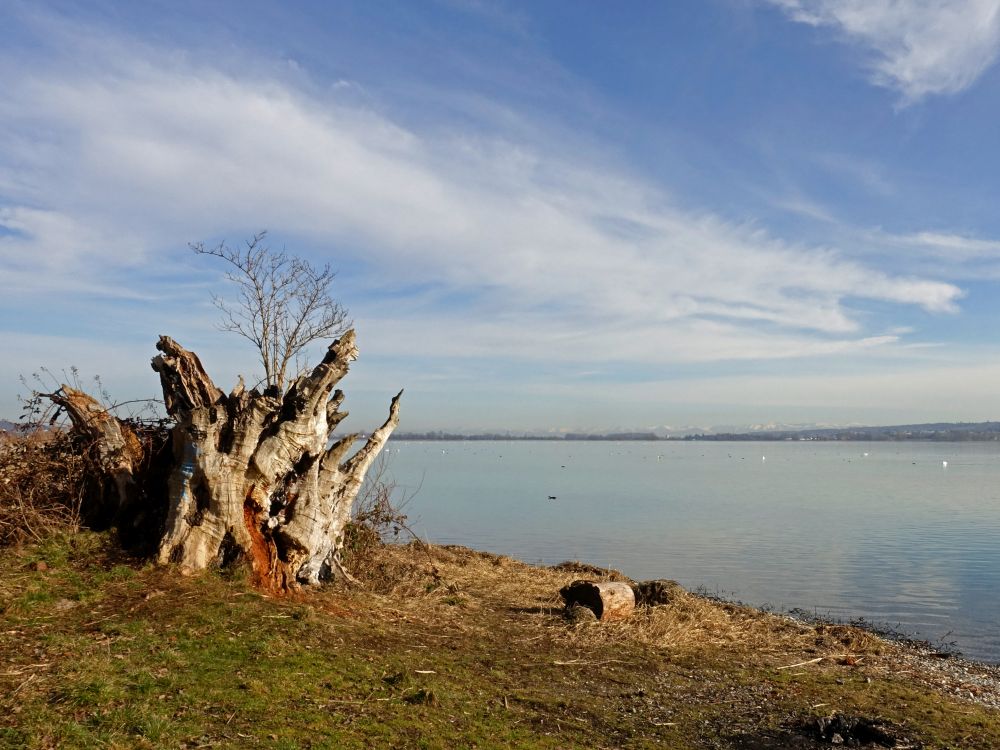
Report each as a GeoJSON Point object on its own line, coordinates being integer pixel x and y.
{"type": "Point", "coordinates": [880, 531]}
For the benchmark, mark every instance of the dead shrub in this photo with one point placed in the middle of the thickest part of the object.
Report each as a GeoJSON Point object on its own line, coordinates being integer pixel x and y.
{"type": "Point", "coordinates": [378, 517]}
{"type": "Point", "coordinates": [43, 481]}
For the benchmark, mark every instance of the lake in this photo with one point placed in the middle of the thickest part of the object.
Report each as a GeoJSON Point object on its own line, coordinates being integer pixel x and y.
{"type": "Point", "coordinates": [880, 531]}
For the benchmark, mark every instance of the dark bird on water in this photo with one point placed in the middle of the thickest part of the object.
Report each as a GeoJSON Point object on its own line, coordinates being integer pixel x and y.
{"type": "Point", "coordinates": [552, 497]}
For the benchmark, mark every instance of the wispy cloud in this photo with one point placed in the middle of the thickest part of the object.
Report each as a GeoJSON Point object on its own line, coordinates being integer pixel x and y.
{"type": "Point", "coordinates": [957, 247]}
{"type": "Point", "coordinates": [138, 150]}
{"type": "Point", "coordinates": [564, 341]}
{"type": "Point", "coordinates": [867, 174]}
{"type": "Point", "coordinates": [917, 48]}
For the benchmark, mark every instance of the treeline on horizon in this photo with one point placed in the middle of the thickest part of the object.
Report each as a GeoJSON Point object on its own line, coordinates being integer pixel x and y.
{"type": "Point", "coordinates": [438, 435]}
{"type": "Point", "coordinates": [944, 433]}
{"type": "Point", "coordinates": [940, 432]}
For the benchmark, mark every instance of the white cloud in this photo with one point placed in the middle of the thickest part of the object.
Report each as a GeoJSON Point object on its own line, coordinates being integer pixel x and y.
{"type": "Point", "coordinates": [951, 246]}
{"type": "Point", "coordinates": [941, 254]}
{"type": "Point", "coordinates": [137, 152]}
{"type": "Point", "coordinates": [919, 47]}
{"type": "Point", "coordinates": [564, 341]}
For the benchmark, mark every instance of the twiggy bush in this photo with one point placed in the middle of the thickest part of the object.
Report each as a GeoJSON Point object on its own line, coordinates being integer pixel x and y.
{"type": "Point", "coordinates": [42, 485]}
{"type": "Point", "coordinates": [378, 517]}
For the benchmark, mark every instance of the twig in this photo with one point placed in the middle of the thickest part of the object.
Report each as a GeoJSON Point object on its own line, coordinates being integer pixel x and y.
{"type": "Point", "coordinates": [18, 688]}
{"type": "Point", "coordinates": [88, 624]}
{"type": "Point", "coordinates": [803, 663]}
{"type": "Point", "coordinates": [582, 663]}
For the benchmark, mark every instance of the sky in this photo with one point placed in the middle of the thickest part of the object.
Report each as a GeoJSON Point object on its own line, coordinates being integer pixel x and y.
{"type": "Point", "coordinates": [555, 216]}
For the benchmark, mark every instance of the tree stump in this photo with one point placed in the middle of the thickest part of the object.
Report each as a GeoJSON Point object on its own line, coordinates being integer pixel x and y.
{"type": "Point", "coordinates": [608, 600]}
{"type": "Point", "coordinates": [255, 476]}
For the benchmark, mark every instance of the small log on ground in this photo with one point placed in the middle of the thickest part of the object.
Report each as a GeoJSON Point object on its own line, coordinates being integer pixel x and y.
{"type": "Point", "coordinates": [609, 600]}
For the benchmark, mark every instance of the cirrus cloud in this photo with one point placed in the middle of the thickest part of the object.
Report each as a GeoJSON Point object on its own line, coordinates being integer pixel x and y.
{"type": "Point", "coordinates": [917, 48]}
{"type": "Point", "coordinates": [145, 147]}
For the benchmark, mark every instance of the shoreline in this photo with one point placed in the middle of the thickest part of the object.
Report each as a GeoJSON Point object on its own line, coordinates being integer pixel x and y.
{"type": "Point", "coordinates": [943, 669]}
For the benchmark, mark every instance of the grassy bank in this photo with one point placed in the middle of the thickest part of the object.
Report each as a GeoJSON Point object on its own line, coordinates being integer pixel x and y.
{"type": "Point", "coordinates": [440, 648]}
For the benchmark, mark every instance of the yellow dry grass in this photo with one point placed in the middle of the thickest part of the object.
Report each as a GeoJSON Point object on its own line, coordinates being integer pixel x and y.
{"type": "Point", "coordinates": [441, 586]}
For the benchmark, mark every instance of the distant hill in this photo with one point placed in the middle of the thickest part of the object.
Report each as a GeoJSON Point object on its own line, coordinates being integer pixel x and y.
{"type": "Point", "coordinates": [935, 431]}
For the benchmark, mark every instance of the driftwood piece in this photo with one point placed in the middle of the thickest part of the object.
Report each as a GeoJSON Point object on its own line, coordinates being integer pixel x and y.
{"type": "Point", "coordinates": [608, 600]}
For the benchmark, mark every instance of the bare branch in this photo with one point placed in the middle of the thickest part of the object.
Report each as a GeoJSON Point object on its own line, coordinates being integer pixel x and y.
{"type": "Point", "coordinates": [282, 304]}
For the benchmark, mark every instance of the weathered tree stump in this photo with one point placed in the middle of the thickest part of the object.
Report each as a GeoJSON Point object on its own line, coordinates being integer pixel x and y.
{"type": "Point", "coordinates": [255, 476]}
{"type": "Point", "coordinates": [608, 600]}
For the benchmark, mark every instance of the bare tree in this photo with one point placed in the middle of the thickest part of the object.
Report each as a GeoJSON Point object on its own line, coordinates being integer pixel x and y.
{"type": "Point", "coordinates": [283, 304]}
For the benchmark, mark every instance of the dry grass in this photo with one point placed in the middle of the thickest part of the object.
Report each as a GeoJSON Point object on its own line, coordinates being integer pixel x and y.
{"type": "Point", "coordinates": [695, 625]}
{"type": "Point", "coordinates": [743, 671]}
{"type": "Point", "coordinates": [418, 578]}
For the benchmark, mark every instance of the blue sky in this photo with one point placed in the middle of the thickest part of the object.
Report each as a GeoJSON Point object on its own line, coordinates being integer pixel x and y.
{"type": "Point", "coordinates": [560, 215]}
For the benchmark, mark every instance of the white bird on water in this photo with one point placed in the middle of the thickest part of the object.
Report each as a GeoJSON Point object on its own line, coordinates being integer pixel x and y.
{"type": "Point", "coordinates": [944, 464]}
{"type": "Point", "coordinates": [763, 458]}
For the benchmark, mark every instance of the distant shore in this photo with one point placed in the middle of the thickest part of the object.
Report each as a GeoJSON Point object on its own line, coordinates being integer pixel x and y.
{"type": "Point", "coordinates": [945, 432]}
